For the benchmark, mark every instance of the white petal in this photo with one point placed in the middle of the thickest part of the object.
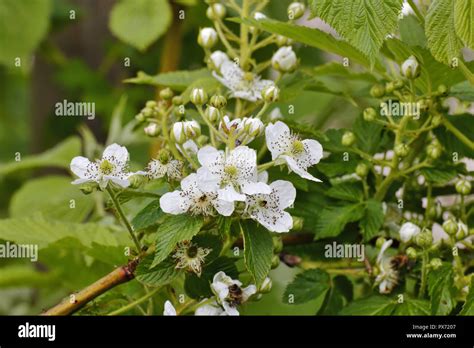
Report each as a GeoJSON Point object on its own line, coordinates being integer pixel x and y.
{"type": "Point", "coordinates": [116, 153]}
{"type": "Point", "coordinates": [169, 309]}
{"type": "Point", "coordinates": [277, 138]}
{"type": "Point", "coordinates": [80, 181]}
{"type": "Point", "coordinates": [263, 177]}
{"type": "Point", "coordinates": [279, 222]}
{"type": "Point", "coordinates": [119, 181]}
{"type": "Point", "coordinates": [220, 289]}
{"type": "Point", "coordinates": [314, 149]}
{"type": "Point", "coordinates": [285, 191]}
{"type": "Point", "coordinates": [224, 208]}
{"type": "Point", "coordinates": [212, 309]}
{"type": "Point", "coordinates": [173, 203]}
{"type": "Point", "coordinates": [248, 291]}
{"type": "Point", "coordinates": [293, 165]}
{"type": "Point", "coordinates": [229, 309]}
{"type": "Point", "coordinates": [252, 188]}
{"type": "Point", "coordinates": [206, 181]}
{"type": "Point", "coordinates": [79, 166]}
{"type": "Point", "coordinates": [229, 194]}
{"type": "Point", "coordinates": [209, 155]}
{"type": "Point", "coordinates": [384, 247]}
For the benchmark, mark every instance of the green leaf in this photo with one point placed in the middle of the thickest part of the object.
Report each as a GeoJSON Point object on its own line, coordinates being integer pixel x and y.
{"type": "Point", "coordinates": [441, 289]}
{"type": "Point", "coordinates": [440, 31]}
{"type": "Point", "coordinates": [176, 80]}
{"type": "Point", "coordinates": [59, 156]}
{"type": "Point", "coordinates": [148, 216]}
{"type": "Point", "coordinates": [209, 84]}
{"type": "Point", "coordinates": [372, 220]}
{"type": "Point", "coordinates": [373, 305]}
{"type": "Point", "coordinates": [307, 286]}
{"type": "Point", "coordinates": [351, 192]}
{"type": "Point", "coordinates": [412, 307]}
{"type": "Point", "coordinates": [30, 200]}
{"type": "Point", "coordinates": [158, 275]}
{"type": "Point", "coordinates": [115, 128]}
{"type": "Point", "coordinates": [369, 135]}
{"type": "Point", "coordinates": [332, 220]}
{"type": "Point", "coordinates": [258, 250]}
{"type": "Point", "coordinates": [26, 276]}
{"type": "Point", "coordinates": [468, 307]}
{"type": "Point", "coordinates": [463, 90]}
{"type": "Point", "coordinates": [411, 32]}
{"type": "Point", "coordinates": [464, 21]}
{"type": "Point", "coordinates": [338, 295]}
{"type": "Point", "coordinates": [23, 24]}
{"type": "Point", "coordinates": [311, 37]}
{"type": "Point", "coordinates": [465, 125]}
{"type": "Point", "coordinates": [140, 22]}
{"type": "Point", "coordinates": [364, 24]}
{"type": "Point", "coordinates": [174, 229]}
{"type": "Point", "coordinates": [441, 174]}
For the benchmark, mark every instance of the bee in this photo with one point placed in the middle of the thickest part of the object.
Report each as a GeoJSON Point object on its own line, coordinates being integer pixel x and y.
{"type": "Point", "coordinates": [235, 294]}
{"type": "Point", "coordinates": [399, 261]}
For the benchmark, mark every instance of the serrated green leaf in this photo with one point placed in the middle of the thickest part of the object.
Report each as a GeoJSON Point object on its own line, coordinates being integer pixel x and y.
{"type": "Point", "coordinates": [148, 216]}
{"type": "Point", "coordinates": [465, 125]}
{"type": "Point", "coordinates": [369, 135]}
{"type": "Point", "coordinates": [332, 220]}
{"type": "Point", "coordinates": [412, 307]}
{"type": "Point", "coordinates": [441, 289]}
{"type": "Point", "coordinates": [338, 295]}
{"type": "Point", "coordinates": [440, 31]}
{"type": "Point", "coordinates": [30, 200]}
{"type": "Point", "coordinates": [411, 31]}
{"type": "Point", "coordinates": [258, 250]}
{"type": "Point", "coordinates": [373, 305]}
{"type": "Point", "coordinates": [351, 192]}
{"type": "Point", "coordinates": [159, 275]}
{"type": "Point", "coordinates": [441, 174]}
{"type": "Point", "coordinates": [176, 80]}
{"type": "Point", "coordinates": [140, 22]}
{"type": "Point", "coordinates": [468, 307]}
{"type": "Point", "coordinates": [174, 229]}
{"type": "Point", "coordinates": [23, 24]}
{"type": "Point", "coordinates": [307, 286]}
{"type": "Point", "coordinates": [464, 21]}
{"type": "Point", "coordinates": [372, 220]}
{"type": "Point", "coordinates": [463, 90]}
{"type": "Point", "coordinates": [364, 24]}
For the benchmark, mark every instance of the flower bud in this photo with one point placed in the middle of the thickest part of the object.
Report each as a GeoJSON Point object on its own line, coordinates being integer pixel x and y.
{"type": "Point", "coordinates": [370, 114]}
{"type": "Point", "coordinates": [424, 239]}
{"type": "Point", "coordinates": [185, 130]}
{"type": "Point", "coordinates": [254, 127]}
{"type": "Point", "coordinates": [410, 68]}
{"type": "Point", "coordinates": [198, 96]}
{"type": "Point", "coordinates": [411, 253]}
{"type": "Point", "coordinates": [436, 263]}
{"type": "Point", "coordinates": [379, 242]}
{"type": "Point", "coordinates": [212, 114]}
{"type": "Point", "coordinates": [152, 130]}
{"type": "Point", "coordinates": [284, 59]}
{"type": "Point", "coordinates": [151, 104]}
{"type": "Point", "coordinates": [275, 261]}
{"type": "Point", "coordinates": [389, 87]}
{"type": "Point", "coordinates": [462, 231]}
{"type": "Point", "coordinates": [147, 112]}
{"type": "Point", "coordinates": [259, 16]}
{"type": "Point", "coordinates": [437, 120]}
{"type": "Point", "coordinates": [450, 226]}
{"type": "Point", "coordinates": [362, 170]}
{"type": "Point", "coordinates": [266, 286]}
{"type": "Point", "coordinates": [397, 84]}
{"type": "Point", "coordinates": [207, 37]}
{"type": "Point", "coordinates": [140, 117]}
{"type": "Point", "coordinates": [401, 150]}
{"type": "Point", "coordinates": [296, 10]}
{"type": "Point", "coordinates": [283, 41]}
{"type": "Point", "coordinates": [88, 187]}
{"type": "Point", "coordinates": [377, 91]}
{"type": "Point", "coordinates": [277, 244]}
{"type": "Point", "coordinates": [215, 11]}
{"type": "Point", "coordinates": [177, 100]}
{"type": "Point", "coordinates": [297, 223]}
{"type": "Point", "coordinates": [136, 181]}
{"type": "Point", "coordinates": [217, 58]}
{"type": "Point", "coordinates": [218, 101]}
{"type": "Point", "coordinates": [271, 94]}
{"type": "Point", "coordinates": [166, 94]}
{"type": "Point", "coordinates": [434, 149]}
{"type": "Point", "coordinates": [408, 231]}
{"type": "Point", "coordinates": [348, 139]}
{"type": "Point", "coordinates": [463, 187]}
{"type": "Point", "coordinates": [442, 90]}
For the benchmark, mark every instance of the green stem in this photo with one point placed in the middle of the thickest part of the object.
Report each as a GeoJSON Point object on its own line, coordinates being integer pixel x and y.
{"type": "Point", "coordinates": [244, 30]}
{"type": "Point", "coordinates": [265, 166]}
{"type": "Point", "coordinates": [457, 133]}
{"type": "Point", "coordinates": [424, 273]}
{"type": "Point", "coordinates": [166, 135]}
{"type": "Point", "coordinates": [124, 219]}
{"type": "Point", "coordinates": [134, 303]}
{"type": "Point", "coordinates": [417, 12]}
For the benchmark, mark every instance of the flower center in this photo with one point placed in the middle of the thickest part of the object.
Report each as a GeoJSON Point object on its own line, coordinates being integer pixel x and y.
{"type": "Point", "coordinates": [263, 203]}
{"type": "Point", "coordinates": [106, 167]}
{"type": "Point", "coordinates": [248, 76]}
{"type": "Point", "coordinates": [164, 156]}
{"type": "Point", "coordinates": [192, 251]}
{"type": "Point", "coordinates": [230, 170]}
{"type": "Point", "coordinates": [297, 147]}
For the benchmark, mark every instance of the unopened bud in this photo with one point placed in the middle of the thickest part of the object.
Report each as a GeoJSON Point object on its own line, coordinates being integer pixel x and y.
{"type": "Point", "coordinates": [450, 226]}
{"type": "Point", "coordinates": [348, 139]}
{"type": "Point", "coordinates": [410, 68]}
{"type": "Point", "coordinates": [362, 170]}
{"type": "Point", "coordinates": [216, 11]}
{"type": "Point", "coordinates": [271, 94]}
{"type": "Point", "coordinates": [212, 114]}
{"type": "Point", "coordinates": [370, 114]}
{"type": "Point", "coordinates": [166, 94]}
{"type": "Point", "coordinates": [284, 59]}
{"type": "Point", "coordinates": [379, 242]}
{"type": "Point", "coordinates": [424, 239]}
{"type": "Point", "coordinates": [88, 187]}
{"type": "Point", "coordinates": [207, 37]}
{"type": "Point", "coordinates": [296, 10]}
{"type": "Point", "coordinates": [411, 253]}
{"type": "Point", "coordinates": [401, 150]}
{"type": "Point", "coordinates": [254, 127]}
{"type": "Point", "coordinates": [266, 286]}
{"type": "Point", "coordinates": [152, 130]}
{"type": "Point", "coordinates": [377, 91]}
{"type": "Point", "coordinates": [218, 101]}
{"type": "Point", "coordinates": [463, 187]}
{"type": "Point", "coordinates": [177, 100]}
{"type": "Point", "coordinates": [198, 96]}
{"type": "Point", "coordinates": [436, 263]}
{"type": "Point", "coordinates": [275, 261]}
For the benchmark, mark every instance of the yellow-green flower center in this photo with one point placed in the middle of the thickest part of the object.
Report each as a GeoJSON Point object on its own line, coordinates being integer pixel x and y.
{"type": "Point", "coordinates": [230, 170]}
{"type": "Point", "coordinates": [248, 76]}
{"type": "Point", "coordinates": [106, 167]}
{"type": "Point", "coordinates": [297, 147]}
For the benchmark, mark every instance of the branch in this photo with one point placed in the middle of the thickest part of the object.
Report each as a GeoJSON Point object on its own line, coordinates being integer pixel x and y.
{"type": "Point", "coordinates": [118, 276]}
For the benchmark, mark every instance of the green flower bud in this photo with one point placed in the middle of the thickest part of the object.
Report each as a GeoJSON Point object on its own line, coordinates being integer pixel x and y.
{"type": "Point", "coordinates": [410, 68]}
{"type": "Point", "coordinates": [88, 187]}
{"type": "Point", "coordinates": [437, 120]}
{"type": "Point", "coordinates": [411, 253]}
{"type": "Point", "coordinates": [424, 239]}
{"type": "Point", "coordinates": [207, 37]}
{"type": "Point", "coordinates": [401, 150]}
{"type": "Point", "coordinates": [389, 87]}
{"type": "Point", "coordinates": [147, 112]}
{"type": "Point", "coordinates": [140, 117]}
{"type": "Point", "coordinates": [266, 286]}
{"type": "Point", "coordinates": [297, 223]}
{"type": "Point", "coordinates": [436, 263]}
{"type": "Point", "coordinates": [151, 104]}
{"type": "Point", "coordinates": [136, 180]}
{"type": "Point", "coordinates": [379, 242]}
{"type": "Point", "coordinates": [283, 41]}
{"type": "Point", "coordinates": [277, 244]}
{"type": "Point", "coordinates": [463, 187]}
{"type": "Point", "coordinates": [212, 114]}
{"type": "Point", "coordinates": [348, 139]}
{"type": "Point", "coordinates": [166, 94]}
{"type": "Point", "coordinates": [370, 114]}
{"type": "Point", "coordinates": [177, 100]}
{"type": "Point", "coordinates": [377, 91]}
{"type": "Point", "coordinates": [271, 94]}
{"type": "Point", "coordinates": [362, 170]}
{"type": "Point", "coordinates": [462, 231]}
{"type": "Point", "coordinates": [275, 261]}
{"type": "Point", "coordinates": [198, 96]}
{"type": "Point", "coordinates": [164, 156]}
{"type": "Point", "coordinates": [152, 130]}
{"type": "Point", "coordinates": [442, 90]}
{"type": "Point", "coordinates": [218, 101]}
{"type": "Point", "coordinates": [397, 84]}
{"type": "Point", "coordinates": [434, 149]}
{"type": "Point", "coordinates": [216, 11]}
{"type": "Point", "coordinates": [450, 226]}
{"type": "Point", "coordinates": [296, 10]}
